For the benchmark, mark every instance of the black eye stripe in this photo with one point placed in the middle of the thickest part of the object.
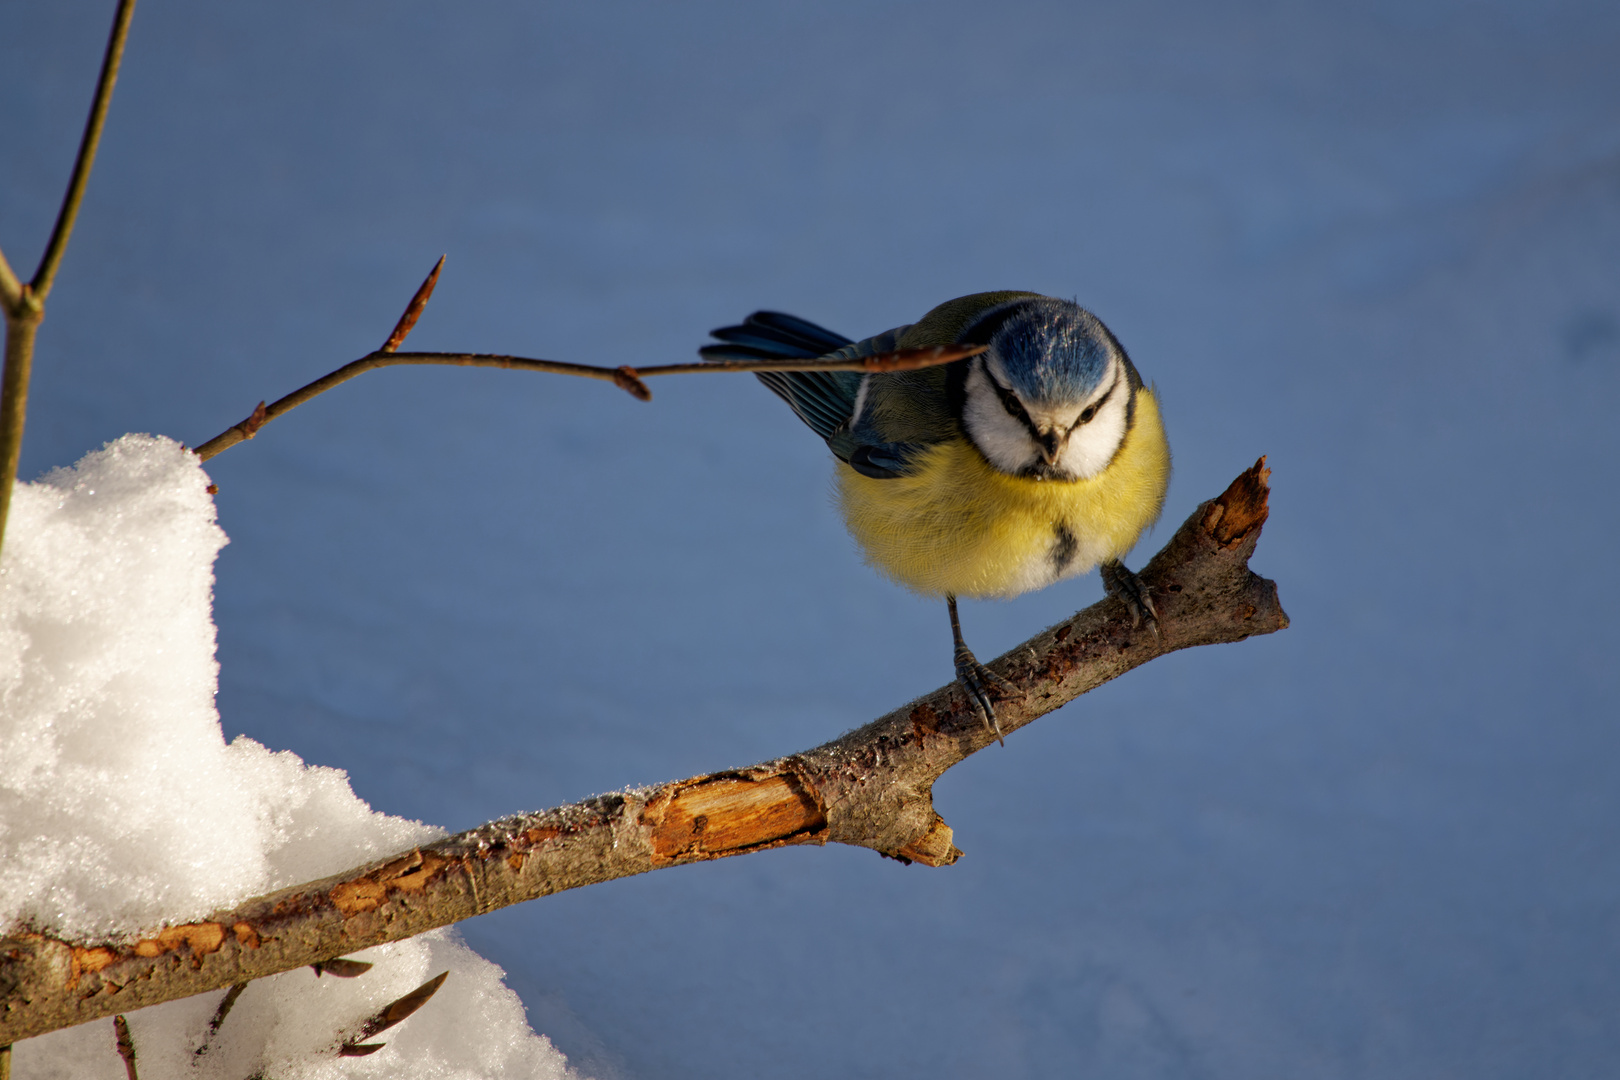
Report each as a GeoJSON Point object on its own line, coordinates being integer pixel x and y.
{"type": "Point", "coordinates": [1010, 402]}
{"type": "Point", "coordinates": [1089, 413]}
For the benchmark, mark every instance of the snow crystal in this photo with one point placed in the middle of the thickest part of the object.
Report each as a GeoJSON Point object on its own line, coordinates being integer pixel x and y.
{"type": "Point", "coordinates": [122, 807]}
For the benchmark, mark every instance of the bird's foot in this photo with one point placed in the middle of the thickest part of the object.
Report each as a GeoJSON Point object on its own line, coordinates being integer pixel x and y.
{"type": "Point", "coordinates": [1120, 582]}
{"type": "Point", "coordinates": [983, 686]}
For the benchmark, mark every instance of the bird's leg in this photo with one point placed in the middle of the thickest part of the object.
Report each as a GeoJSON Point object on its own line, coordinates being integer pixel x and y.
{"type": "Point", "coordinates": [979, 681]}
{"type": "Point", "coordinates": [1120, 582]}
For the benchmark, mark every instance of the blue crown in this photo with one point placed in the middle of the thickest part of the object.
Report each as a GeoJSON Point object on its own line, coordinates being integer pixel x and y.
{"type": "Point", "coordinates": [1053, 351]}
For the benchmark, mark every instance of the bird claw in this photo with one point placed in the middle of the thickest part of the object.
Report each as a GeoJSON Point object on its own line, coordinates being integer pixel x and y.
{"type": "Point", "coordinates": [982, 686]}
{"type": "Point", "coordinates": [1126, 586]}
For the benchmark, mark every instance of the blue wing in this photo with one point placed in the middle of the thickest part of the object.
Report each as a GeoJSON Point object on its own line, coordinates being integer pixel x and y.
{"type": "Point", "coordinates": [822, 399]}
{"type": "Point", "coordinates": [883, 461]}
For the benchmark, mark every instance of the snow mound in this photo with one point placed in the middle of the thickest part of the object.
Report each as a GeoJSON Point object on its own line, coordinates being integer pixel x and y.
{"type": "Point", "coordinates": [122, 807]}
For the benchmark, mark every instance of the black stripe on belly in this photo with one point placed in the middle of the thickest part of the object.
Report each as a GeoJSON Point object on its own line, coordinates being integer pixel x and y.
{"type": "Point", "coordinates": [1064, 545]}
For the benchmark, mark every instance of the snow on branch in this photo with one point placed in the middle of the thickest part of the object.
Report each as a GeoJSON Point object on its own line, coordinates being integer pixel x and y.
{"type": "Point", "coordinates": [872, 787]}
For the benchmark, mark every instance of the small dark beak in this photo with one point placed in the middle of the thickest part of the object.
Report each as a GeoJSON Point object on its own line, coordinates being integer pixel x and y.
{"type": "Point", "coordinates": [1051, 444]}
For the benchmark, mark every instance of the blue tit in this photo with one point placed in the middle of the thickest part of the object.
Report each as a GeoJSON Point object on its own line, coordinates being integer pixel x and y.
{"type": "Point", "coordinates": [1031, 462]}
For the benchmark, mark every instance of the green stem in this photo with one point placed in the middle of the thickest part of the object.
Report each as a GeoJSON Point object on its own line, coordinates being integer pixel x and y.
{"type": "Point", "coordinates": [25, 304]}
{"type": "Point", "coordinates": [20, 330]}
{"type": "Point", "coordinates": [10, 295]}
{"type": "Point", "coordinates": [48, 263]}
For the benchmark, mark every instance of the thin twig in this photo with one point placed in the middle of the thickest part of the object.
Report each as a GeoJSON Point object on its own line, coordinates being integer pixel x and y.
{"type": "Point", "coordinates": [413, 310]}
{"type": "Point", "coordinates": [389, 1015]}
{"type": "Point", "coordinates": [25, 304]}
{"type": "Point", "coordinates": [626, 377]}
{"type": "Point", "coordinates": [22, 323]}
{"type": "Point", "coordinates": [46, 274]}
{"type": "Point", "coordinates": [10, 294]}
{"type": "Point", "coordinates": [220, 1014]}
{"type": "Point", "coordinates": [126, 1045]}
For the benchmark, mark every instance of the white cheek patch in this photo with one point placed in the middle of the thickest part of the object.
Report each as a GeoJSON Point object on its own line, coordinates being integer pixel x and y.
{"type": "Point", "coordinates": [1092, 446]}
{"type": "Point", "coordinates": [1000, 438]}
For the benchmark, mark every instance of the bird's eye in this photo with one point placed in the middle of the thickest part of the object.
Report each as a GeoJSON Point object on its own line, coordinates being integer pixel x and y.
{"type": "Point", "coordinates": [1088, 413]}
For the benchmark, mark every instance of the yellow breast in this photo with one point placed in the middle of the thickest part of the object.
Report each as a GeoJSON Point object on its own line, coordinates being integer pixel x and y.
{"type": "Point", "coordinates": [957, 526]}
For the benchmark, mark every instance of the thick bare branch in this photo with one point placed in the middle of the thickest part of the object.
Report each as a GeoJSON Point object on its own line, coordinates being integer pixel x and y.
{"type": "Point", "coordinates": [872, 788]}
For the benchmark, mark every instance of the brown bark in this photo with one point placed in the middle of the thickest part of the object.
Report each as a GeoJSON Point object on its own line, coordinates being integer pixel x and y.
{"type": "Point", "coordinates": [872, 787]}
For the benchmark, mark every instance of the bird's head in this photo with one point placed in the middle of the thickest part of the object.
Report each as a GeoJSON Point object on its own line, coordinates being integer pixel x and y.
{"type": "Point", "coordinates": [1051, 397]}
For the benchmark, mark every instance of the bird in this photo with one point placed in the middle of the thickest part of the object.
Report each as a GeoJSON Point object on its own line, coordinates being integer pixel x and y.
{"type": "Point", "coordinates": [1034, 461]}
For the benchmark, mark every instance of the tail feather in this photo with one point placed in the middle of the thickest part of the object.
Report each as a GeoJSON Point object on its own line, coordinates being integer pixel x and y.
{"type": "Point", "coordinates": [808, 334]}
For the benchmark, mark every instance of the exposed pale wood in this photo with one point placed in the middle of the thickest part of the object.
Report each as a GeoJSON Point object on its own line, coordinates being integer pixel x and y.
{"type": "Point", "coordinates": [872, 787]}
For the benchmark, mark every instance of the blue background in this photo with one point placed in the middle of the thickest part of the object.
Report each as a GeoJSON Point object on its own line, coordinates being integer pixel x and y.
{"type": "Point", "coordinates": [1378, 242]}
